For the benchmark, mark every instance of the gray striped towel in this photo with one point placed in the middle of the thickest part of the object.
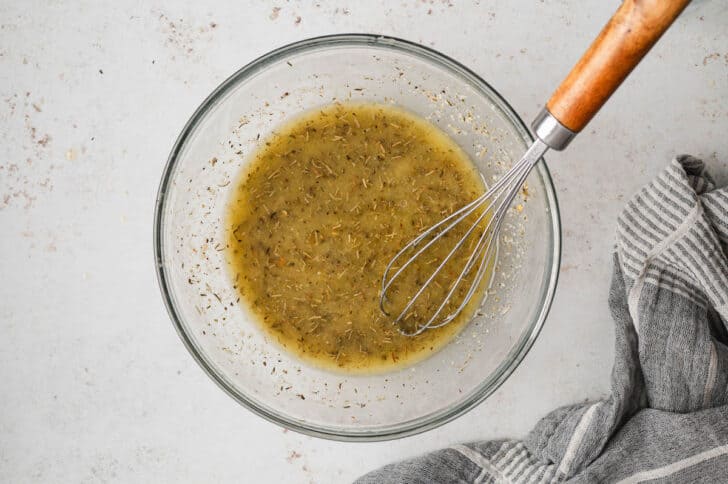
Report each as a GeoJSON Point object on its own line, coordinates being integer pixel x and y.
{"type": "Point", "coordinates": [667, 417]}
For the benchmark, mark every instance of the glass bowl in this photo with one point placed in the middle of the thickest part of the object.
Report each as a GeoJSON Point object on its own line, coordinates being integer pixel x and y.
{"type": "Point", "coordinates": [221, 334]}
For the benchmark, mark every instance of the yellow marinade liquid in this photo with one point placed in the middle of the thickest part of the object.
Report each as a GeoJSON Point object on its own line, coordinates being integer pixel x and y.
{"type": "Point", "coordinates": [313, 221]}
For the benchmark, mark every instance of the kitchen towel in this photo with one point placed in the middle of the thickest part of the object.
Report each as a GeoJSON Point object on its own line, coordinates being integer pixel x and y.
{"type": "Point", "coordinates": [667, 417]}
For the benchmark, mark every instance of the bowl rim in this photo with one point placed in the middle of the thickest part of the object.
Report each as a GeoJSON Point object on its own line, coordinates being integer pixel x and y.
{"type": "Point", "coordinates": [489, 384]}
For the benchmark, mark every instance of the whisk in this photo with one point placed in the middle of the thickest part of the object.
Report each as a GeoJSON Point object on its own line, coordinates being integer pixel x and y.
{"type": "Point", "coordinates": [623, 42]}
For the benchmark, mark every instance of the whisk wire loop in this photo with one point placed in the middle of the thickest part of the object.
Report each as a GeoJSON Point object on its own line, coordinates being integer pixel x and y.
{"type": "Point", "coordinates": [493, 205]}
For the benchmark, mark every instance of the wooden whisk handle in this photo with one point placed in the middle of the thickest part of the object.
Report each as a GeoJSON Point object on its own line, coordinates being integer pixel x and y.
{"type": "Point", "coordinates": [623, 42]}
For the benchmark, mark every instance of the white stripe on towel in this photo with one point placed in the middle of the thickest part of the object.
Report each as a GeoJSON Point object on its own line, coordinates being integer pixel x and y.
{"type": "Point", "coordinates": [479, 460]}
{"type": "Point", "coordinates": [675, 466]}
{"type": "Point", "coordinates": [576, 439]}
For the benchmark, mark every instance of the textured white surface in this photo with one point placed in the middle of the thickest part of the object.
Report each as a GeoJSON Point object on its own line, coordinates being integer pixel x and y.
{"type": "Point", "coordinates": [96, 384]}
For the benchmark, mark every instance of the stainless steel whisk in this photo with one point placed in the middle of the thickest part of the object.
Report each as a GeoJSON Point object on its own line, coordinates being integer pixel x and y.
{"type": "Point", "coordinates": [493, 202]}
{"type": "Point", "coordinates": [623, 42]}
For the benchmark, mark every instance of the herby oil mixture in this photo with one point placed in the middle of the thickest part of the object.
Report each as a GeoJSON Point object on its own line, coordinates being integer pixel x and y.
{"type": "Point", "coordinates": [325, 203]}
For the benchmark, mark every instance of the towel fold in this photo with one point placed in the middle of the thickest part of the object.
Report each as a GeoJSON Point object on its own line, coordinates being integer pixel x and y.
{"type": "Point", "coordinates": [666, 419]}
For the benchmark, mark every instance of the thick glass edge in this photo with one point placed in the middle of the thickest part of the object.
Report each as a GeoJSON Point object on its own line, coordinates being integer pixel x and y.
{"type": "Point", "coordinates": [509, 365]}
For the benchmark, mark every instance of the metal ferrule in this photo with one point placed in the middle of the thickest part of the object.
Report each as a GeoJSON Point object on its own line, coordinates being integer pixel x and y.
{"type": "Point", "coordinates": [551, 131]}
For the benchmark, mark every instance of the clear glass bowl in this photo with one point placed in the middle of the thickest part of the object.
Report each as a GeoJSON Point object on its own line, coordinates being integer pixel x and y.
{"type": "Point", "coordinates": [221, 335]}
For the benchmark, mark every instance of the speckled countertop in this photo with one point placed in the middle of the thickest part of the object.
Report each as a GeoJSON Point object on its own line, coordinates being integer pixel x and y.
{"type": "Point", "coordinates": [96, 384]}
